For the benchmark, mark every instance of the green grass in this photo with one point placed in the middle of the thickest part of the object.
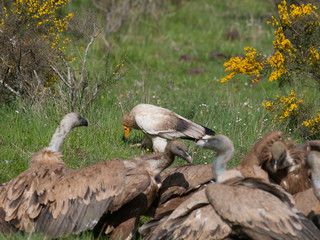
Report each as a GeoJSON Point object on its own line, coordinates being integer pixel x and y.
{"type": "Point", "coordinates": [155, 75]}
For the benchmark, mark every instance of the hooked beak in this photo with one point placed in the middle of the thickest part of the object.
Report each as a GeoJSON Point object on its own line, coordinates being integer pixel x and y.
{"type": "Point", "coordinates": [188, 158]}
{"type": "Point", "coordinates": [201, 143]}
{"type": "Point", "coordinates": [84, 122]}
{"type": "Point", "coordinates": [275, 165]}
{"type": "Point", "coordinates": [126, 133]}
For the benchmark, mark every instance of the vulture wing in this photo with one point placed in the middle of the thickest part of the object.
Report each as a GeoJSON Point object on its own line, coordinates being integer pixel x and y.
{"type": "Point", "coordinates": [313, 145]}
{"type": "Point", "coordinates": [78, 200]}
{"type": "Point", "coordinates": [259, 212]}
{"type": "Point", "coordinates": [26, 195]}
{"type": "Point", "coordinates": [193, 219]}
{"type": "Point", "coordinates": [169, 125]}
{"type": "Point", "coordinates": [261, 150]}
{"type": "Point", "coordinates": [182, 179]}
{"type": "Point", "coordinates": [305, 201]}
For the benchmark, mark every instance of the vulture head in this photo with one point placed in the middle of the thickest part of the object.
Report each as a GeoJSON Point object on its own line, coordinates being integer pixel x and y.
{"type": "Point", "coordinates": [224, 148]}
{"type": "Point", "coordinates": [72, 120]}
{"type": "Point", "coordinates": [219, 143]}
{"type": "Point", "coordinates": [279, 157]}
{"type": "Point", "coordinates": [313, 161]}
{"type": "Point", "coordinates": [127, 122]}
{"type": "Point", "coordinates": [180, 150]}
{"type": "Point", "coordinates": [69, 121]}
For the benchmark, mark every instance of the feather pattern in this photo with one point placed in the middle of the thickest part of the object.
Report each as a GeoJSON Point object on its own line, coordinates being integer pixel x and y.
{"type": "Point", "coordinates": [251, 206]}
{"type": "Point", "coordinates": [156, 122]}
{"type": "Point", "coordinates": [193, 219]}
{"type": "Point", "coordinates": [57, 201]}
{"type": "Point", "coordinates": [123, 221]}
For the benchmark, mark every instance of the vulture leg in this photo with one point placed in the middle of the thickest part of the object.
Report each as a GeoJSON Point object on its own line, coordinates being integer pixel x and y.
{"type": "Point", "coordinates": [147, 142]}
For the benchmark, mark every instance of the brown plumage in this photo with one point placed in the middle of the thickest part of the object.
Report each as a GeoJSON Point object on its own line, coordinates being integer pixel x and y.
{"type": "Point", "coordinates": [194, 218]}
{"type": "Point", "coordinates": [283, 161]}
{"type": "Point", "coordinates": [22, 198]}
{"type": "Point", "coordinates": [261, 149]}
{"type": "Point", "coordinates": [308, 201]}
{"type": "Point", "coordinates": [178, 184]}
{"type": "Point", "coordinates": [123, 222]}
{"type": "Point", "coordinates": [181, 182]}
{"type": "Point", "coordinates": [159, 124]}
{"type": "Point", "coordinates": [57, 201]}
{"type": "Point", "coordinates": [260, 153]}
{"type": "Point", "coordinates": [250, 207]}
{"type": "Point", "coordinates": [44, 197]}
{"type": "Point", "coordinates": [287, 167]}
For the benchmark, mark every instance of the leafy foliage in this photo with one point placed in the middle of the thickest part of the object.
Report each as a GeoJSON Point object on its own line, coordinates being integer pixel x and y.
{"type": "Point", "coordinates": [295, 60]}
{"type": "Point", "coordinates": [31, 39]}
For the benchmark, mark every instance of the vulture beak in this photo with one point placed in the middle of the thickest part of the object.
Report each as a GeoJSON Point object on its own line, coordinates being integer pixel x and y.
{"type": "Point", "coordinates": [188, 158]}
{"type": "Point", "coordinates": [126, 132]}
{"type": "Point", "coordinates": [82, 122]}
{"type": "Point", "coordinates": [275, 166]}
{"type": "Point", "coordinates": [201, 143]}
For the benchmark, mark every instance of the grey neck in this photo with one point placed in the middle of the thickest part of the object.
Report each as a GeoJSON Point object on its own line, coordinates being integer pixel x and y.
{"type": "Point", "coordinates": [220, 162]}
{"type": "Point", "coordinates": [58, 139]}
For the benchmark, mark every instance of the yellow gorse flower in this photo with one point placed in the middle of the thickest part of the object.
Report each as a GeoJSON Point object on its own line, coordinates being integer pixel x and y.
{"type": "Point", "coordinates": [251, 64]}
{"type": "Point", "coordinates": [285, 106]}
{"type": "Point", "coordinates": [41, 13]}
{"type": "Point", "coordinates": [40, 21]}
{"type": "Point", "coordinates": [313, 124]}
{"type": "Point", "coordinates": [285, 53]}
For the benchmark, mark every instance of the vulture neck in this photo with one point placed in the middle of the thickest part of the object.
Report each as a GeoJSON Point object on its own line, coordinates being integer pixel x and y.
{"type": "Point", "coordinates": [165, 161]}
{"type": "Point", "coordinates": [58, 138]}
{"type": "Point", "coordinates": [220, 165]}
{"type": "Point", "coordinates": [315, 180]}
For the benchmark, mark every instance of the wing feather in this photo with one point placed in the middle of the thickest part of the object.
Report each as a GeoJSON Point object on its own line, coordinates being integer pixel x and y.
{"type": "Point", "coordinates": [261, 149]}
{"type": "Point", "coordinates": [193, 219]}
{"type": "Point", "coordinates": [74, 209]}
{"type": "Point", "coordinates": [182, 179]}
{"type": "Point", "coordinates": [169, 125]}
{"type": "Point", "coordinates": [68, 196]}
{"type": "Point", "coordinates": [260, 212]}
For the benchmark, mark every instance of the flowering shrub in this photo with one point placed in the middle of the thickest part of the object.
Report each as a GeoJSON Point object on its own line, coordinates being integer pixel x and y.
{"type": "Point", "coordinates": [296, 44]}
{"type": "Point", "coordinates": [285, 108]}
{"type": "Point", "coordinates": [295, 59]}
{"type": "Point", "coordinates": [313, 124]}
{"type": "Point", "coordinates": [252, 64]}
{"type": "Point", "coordinates": [31, 40]}
{"type": "Point", "coordinates": [34, 60]}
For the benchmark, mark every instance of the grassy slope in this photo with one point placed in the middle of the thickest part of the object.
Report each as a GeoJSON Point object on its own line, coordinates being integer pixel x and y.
{"type": "Point", "coordinates": [157, 76]}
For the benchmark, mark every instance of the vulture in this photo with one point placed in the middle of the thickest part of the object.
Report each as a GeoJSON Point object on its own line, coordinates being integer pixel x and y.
{"type": "Point", "coordinates": [180, 182]}
{"type": "Point", "coordinates": [308, 201]}
{"type": "Point", "coordinates": [124, 221]}
{"type": "Point", "coordinates": [260, 152]}
{"type": "Point", "coordinates": [56, 201]}
{"type": "Point", "coordinates": [288, 166]}
{"type": "Point", "coordinates": [283, 161]}
{"type": "Point", "coordinates": [159, 124]}
{"type": "Point", "coordinates": [234, 206]}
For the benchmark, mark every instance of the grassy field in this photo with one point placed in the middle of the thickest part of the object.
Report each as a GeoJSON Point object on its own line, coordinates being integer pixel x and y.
{"type": "Point", "coordinates": [156, 74]}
